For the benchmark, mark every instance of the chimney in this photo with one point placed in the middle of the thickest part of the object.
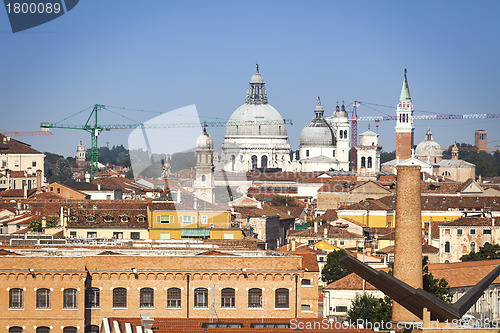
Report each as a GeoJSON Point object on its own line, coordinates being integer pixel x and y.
{"type": "Point", "coordinates": [25, 190]}
{"type": "Point", "coordinates": [38, 181]}
{"type": "Point", "coordinates": [315, 226]}
{"type": "Point", "coordinates": [44, 222]}
{"type": "Point", "coordinates": [87, 177]}
{"type": "Point", "coordinates": [408, 230]}
{"type": "Point", "coordinates": [98, 187]}
{"type": "Point", "coordinates": [325, 232]}
{"type": "Point", "coordinates": [293, 244]}
{"type": "Point", "coordinates": [178, 196]}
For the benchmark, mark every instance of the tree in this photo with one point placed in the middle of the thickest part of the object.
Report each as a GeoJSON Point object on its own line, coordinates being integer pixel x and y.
{"type": "Point", "coordinates": [486, 252]}
{"type": "Point", "coordinates": [370, 308]}
{"type": "Point", "coordinates": [36, 225]}
{"type": "Point", "coordinates": [283, 200]}
{"type": "Point", "coordinates": [438, 287]}
{"type": "Point", "coordinates": [387, 156]}
{"type": "Point", "coordinates": [63, 170]}
{"type": "Point", "coordinates": [334, 270]}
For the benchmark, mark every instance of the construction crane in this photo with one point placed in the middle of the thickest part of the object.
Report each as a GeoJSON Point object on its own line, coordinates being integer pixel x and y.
{"type": "Point", "coordinates": [94, 128]}
{"type": "Point", "coordinates": [28, 133]}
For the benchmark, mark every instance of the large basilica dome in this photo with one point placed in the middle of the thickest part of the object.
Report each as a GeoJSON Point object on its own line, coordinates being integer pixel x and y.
{"type": "Point", "coordinates": [256, 134]}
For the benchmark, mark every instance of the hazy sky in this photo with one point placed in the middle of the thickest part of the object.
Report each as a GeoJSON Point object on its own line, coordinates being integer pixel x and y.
{"type": "Point", "coordinates": [162, 55]}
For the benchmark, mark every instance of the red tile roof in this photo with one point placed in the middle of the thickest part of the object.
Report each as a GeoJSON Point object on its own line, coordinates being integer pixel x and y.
{"type": "Point", "coordinates": [15, 147]}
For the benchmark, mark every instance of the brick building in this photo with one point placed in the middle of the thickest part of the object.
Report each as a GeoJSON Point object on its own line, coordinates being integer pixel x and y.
{"type": "Point", "coordinates": [76, 291]}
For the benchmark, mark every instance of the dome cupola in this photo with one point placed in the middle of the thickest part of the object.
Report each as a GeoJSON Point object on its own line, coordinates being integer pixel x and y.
{"type": "Point", "coordinates": [318, 133]}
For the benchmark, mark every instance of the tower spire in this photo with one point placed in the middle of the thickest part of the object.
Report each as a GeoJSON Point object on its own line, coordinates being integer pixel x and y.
{"type": "Point", "coordinates": [405, 91]}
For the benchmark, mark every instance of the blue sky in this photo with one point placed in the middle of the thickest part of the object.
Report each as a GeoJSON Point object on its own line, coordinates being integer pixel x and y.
{"type": "Point", "coordinates": [162, 55]}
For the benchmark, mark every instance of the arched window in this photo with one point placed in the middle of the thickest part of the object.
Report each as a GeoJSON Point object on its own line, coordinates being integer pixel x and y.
{"type": "Point", "coordinates": [203, 180]}
{"type": "Point", "coordinates": [43, 299]}
{"type": "Point", "coordinates": [472, 247]}
{"type": "Point", "coordinates": [173, 298]}
{"type": "Point", "coordinates": [15, 298]}
{"type": "Point", "coordinates": [447, 247]}
{"type": "Point", "coordinates": [69, 299]}
{"type": "Point", "coordinates": [15, 329]}
{"type": "Point", "coordinates": [369, 162]}
{"type": "Point", "coordinates": [92, 329]}
{"type": "Point", "coordinates": [69, 329]}
{"type": "Point", "coordinates": [281, 298]}
{"type": "Point", "coordinates": [227, 298]}
{"type": "Point", "coordinates": [263, 162]}
{"type": "Point", "coordinates": [363, 162]}
{"type": "Point", "coordinates": [43, 329]}
{"type": "Point", "coordinates": [341, 134]}
{"type": "Point", "coordinates": [147, 298]}
{"type": "Point", "coordinates": [255, 298]}
{"type": "Point", "coordinates": [201, 298]}
{"type": "Point", "coordinates": [254, 162]}
{"type": "Point", "coordinates": [92, 297]}
{"type": "Point", "coordinates": [345, 134]}
{"type": "Point", "coordinates": [119, 298]}
{"type": "Point", "coordinates": [233, 161]}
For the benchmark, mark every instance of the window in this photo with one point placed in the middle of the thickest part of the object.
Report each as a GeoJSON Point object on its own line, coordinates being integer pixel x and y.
{"type": "Point", "coordinates": [15, 298]}
{"type": "Point", "coordinates": [92, 329]}
{"type": "Point", "coordinates": [369, 162]}
{"type": "Point", "coordinates": [147, 298]}
{"type": "Point", "coordinates": [487, 232]}
{"type": "Point", "coordinates": [201, 298]}
{"type": "Point", "coordinates": [119, 298]}
{"type": "Point", "coordinates": [254, 162]}
{"type": "Point", "coordinates": [305, 308]}
{"type": "Point", "coordinates": [227, 298]}
{"type": "Point", "coordinates": [321, 259]}
{"type": "Point", "coordinates": [135, 235]}
{"type": "Point", "coordinates": [187, 219]}
{"type": "Point", "coordinates": [15, 329]}
{"type": "Point", "coordinates": [263, 162]}
{"type": "Point", "coordinates": [43, 329]}
{"type": "Point", "coordinates": [140, 218]}
{"type": "Point", "coordinates": [173, 298]}
{"type": "Point", "coordinates": [69, 299]}
{"type": "Point", "coordinates": [341, 308]}
{"type": "Point", "coordinates": [165, 219]}
{"type": "Point", "coordinates": [118, 235]}
{"type": "Point", "coordinates": [58, 190]}
{"type": "Point", "coordinates": [204, 219]}
{"type": "Point", "coordinates": [203, 180]}
{"type": "Point", "coordinates": [363, 162]}
{"type": "Point", "coordinates": [164, 235]}
{"type": "Point", "coordinates": [472, 231]}
{"type": "Point", "coordinates": [124, 218]}
{"type": "Point", "coordinates": [447, 231]}
{"type": "Point", "coordinates": [281, 298]}
{"type": "Point", "coordinates": [43, 298]}
{"type": "Point", "coordinates": [33, 164]}
{"type": "Point", "coordinates": [460, 232]}
{"type": "Point", "coordinates": [305, 282]}
{"type": "Point", "coordinates": [255, 298]}
{"type": "Point", "coordinates": [92, 298]}
{"type": "Point", "coordinates": [72, 234]}
{"type": "Point", "coordinates": [447, 247]}
{"type": "Point", "coordinates": [69, 329]}
{"type": "Point", "coordinates": [307, 152]}
{"type": "Point", "coordinates": [472, 247]}
{"type": "Point", "coordinates": [91, 234]}
{"type": "Point", "coordinates": [108, 218]}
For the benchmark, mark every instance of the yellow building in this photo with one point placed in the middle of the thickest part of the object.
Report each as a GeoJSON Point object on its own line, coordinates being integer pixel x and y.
{"type": "Point", "coordinates": [382, 212]}
{"type": "Point", "coordinates": [170, 220]}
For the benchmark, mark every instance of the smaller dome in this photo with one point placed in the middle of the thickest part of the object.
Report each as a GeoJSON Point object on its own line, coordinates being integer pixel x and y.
{"type": "Point", "coordinates": [318, 132]}
{"type": "Point", "coordinates": [428, 148]}
{"type": "Point", "coordinates": [204, 141]}
{"type": "Point", "coordinates": [257, 78]}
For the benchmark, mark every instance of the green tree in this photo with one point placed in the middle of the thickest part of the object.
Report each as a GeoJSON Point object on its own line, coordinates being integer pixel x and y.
{"type": "Point", "coordinates": [370, 308]}
{"type": "Point", "coordinates": [333, 269]}
{"type": "Point", "coordinates": [438, 287]}
{"type": "Point", "coordinates": [283, 200]}
{"type": "Point", "coordinates": [387, 156]}
{"type": "Point", "coordinates": [36, 225]}
{"type": "Point", "coordinates": [63, 170]}
{"type": "Point", "coordinates": [486, 252]}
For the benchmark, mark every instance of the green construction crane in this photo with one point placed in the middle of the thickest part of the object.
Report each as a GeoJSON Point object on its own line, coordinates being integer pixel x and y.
{"type": "Point", "coordinates": [95, 129]}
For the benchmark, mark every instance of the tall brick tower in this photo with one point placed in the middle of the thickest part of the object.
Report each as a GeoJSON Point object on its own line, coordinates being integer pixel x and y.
{"type": "Point", "coordinates": [480, 140]}
{"type": "Point", "coordinates": [404, 123]}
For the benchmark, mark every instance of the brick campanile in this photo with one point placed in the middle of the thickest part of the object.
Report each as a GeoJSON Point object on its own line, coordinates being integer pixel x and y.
{"type": "Point", "coordinates": [404, 123]}
{"type": "Point", "coordinates": [408, 245]}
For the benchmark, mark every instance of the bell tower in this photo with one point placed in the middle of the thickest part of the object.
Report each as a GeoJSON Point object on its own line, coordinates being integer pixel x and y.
{"type": "Point", "coordinates": [204, 181]}
{"type": "Point", "coordinates": [404, 123]}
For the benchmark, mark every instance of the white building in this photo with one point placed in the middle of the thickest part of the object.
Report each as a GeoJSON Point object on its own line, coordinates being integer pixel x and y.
{"type": "Point", "coordinates": [204, 179]}
{"type": "Point", "coordinates": [368, 154]}
{"type": "Point", "coordinates": [256, 136]}
{"type": "Point", "coordinates": [325, 145]}
{"type": "Point", "coordinates": [19, 156]}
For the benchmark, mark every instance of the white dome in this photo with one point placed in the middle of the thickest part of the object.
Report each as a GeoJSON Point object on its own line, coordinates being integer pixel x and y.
{"type": "Point", "coordinates": [204, 141]}
{"type": "Point", "coordinates": [317, 134]}
{"type": "Point", "coordinates": [428, 147]}
{"type": "Point", "coordinates": [257, 78]}
{"type": "Point", "coordinates": [273, 122]}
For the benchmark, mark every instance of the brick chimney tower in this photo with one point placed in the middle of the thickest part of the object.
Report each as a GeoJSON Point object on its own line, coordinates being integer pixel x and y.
{"type": "Point", "coordinates": [408, 229]}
